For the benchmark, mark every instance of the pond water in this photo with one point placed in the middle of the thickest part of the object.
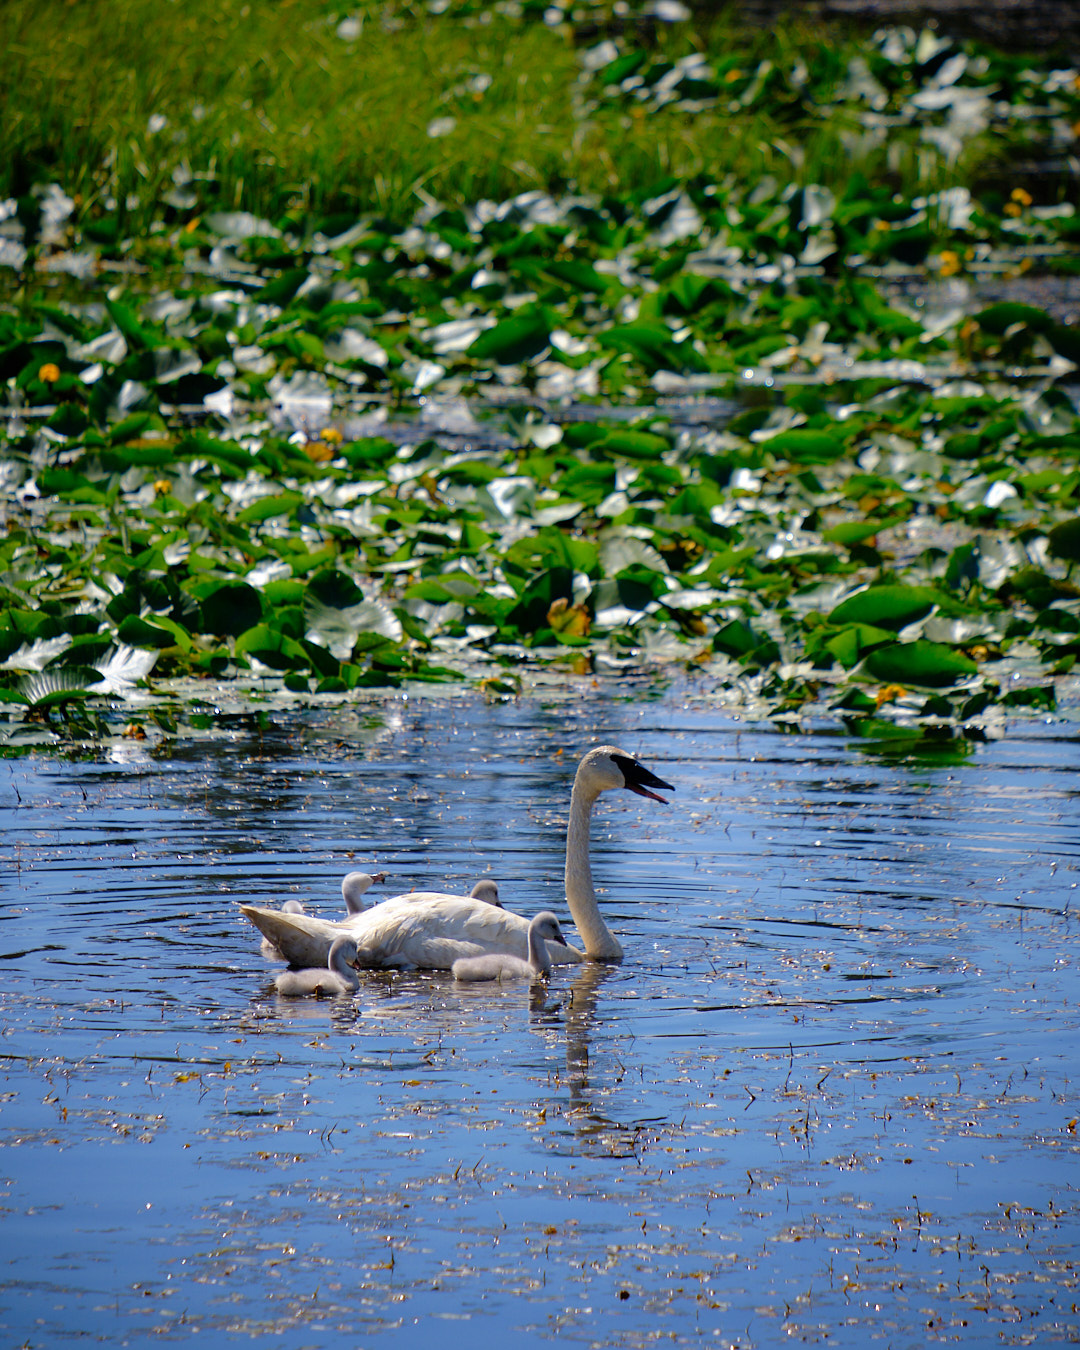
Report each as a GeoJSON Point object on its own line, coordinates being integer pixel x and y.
{"type": "Point", "coordinates": [828, 1098]}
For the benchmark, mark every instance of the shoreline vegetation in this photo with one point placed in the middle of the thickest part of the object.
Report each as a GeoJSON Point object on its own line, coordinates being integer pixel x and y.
{"type": "Point", "coordinates": [344, 349]}
{"type": "Point", "coordinates": [302, 109]}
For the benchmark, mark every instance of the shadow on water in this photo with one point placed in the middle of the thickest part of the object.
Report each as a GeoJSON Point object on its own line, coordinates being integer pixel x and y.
{"type": "Point", "coordinates": [827, 1097]}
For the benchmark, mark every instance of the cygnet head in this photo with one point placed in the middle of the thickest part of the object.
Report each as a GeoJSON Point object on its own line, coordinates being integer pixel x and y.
{"type": "Point", "coordinates": [607, 767]}
{"type": "Point", "coordinates": [355, 885]}
{"type": "Point", "coordinates": [547, 928]}
{"type": "Point", "coordinates": [292, 907]}
{"type": "Point", "coordinates": [343, 952]}
{"type": "Point", "coordinates": [487, 891]}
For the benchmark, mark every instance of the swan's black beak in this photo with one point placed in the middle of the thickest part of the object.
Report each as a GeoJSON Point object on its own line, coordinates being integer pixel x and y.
{"type": "Point", "coordinates": [378, 878]}
{"type": "Point", "coordinates": [639, 779]}
{"type": "Point", "coordinates": [559, 939]}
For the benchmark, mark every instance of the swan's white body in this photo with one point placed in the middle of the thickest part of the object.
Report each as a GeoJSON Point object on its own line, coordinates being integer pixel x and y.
{"type": "Point", "coordinates": [338, 976]}
{"type": "Point", "coordinates": [354, 887]}
{"type": "Point", "coordinates": [499, 966]}
{"type": "Point", "coordinates": [431, 930]}
{"type": "Point", "coordinates": [487, 891]}
{"type": "Point", "coordinates": [267, 949]}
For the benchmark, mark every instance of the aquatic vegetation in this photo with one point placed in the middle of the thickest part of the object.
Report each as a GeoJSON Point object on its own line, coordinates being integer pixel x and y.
{"type": "Point", "coordinates": [775, 429]}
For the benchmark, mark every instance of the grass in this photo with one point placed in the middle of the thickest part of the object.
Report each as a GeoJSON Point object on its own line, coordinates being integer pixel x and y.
{"type": "Point", "coordinates": [271, 104]}
{"type": "Point", "coordinates": [267, 107]}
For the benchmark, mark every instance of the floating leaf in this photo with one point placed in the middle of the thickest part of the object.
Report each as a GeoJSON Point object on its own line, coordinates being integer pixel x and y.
{"type": "Point", "coordinates": [851, 644]}
{"type": "Point", "coordinates": [921, 662]}
{"type": "Point", "coordinates": [136, 632]}
{"type": "Point", "coordinates": [1064, 540]}
{"type": "Point", "coordinates": [889, 607]}
{"type": "Point", "coordinates": [804, 446]}
{"type": "Point", "coordinates": [850, 532]}
{"type": "Point", "coordinates": [632, 444]}
{"type": "Point", "coordinates": [60, 685]}
{"type": "Point", "coordinates": [539, 595]}
{"type": "Point", "coordinates": [512, 341]}
{"type": "Point", "coordinates": [231, 609]}
{"type": "Point", "coordinates": [337, 613]}
{"type": "Point", "coordinates": [268, 507]}
{"type": "Point", "coordinates": [998, 319]}
{"type": "Point", "coordinates": [271, 648]}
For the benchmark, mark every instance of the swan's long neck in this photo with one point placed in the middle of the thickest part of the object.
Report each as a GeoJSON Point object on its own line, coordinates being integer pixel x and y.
{"type": "Point", "coordinates": [600, 943]}
{"type": "Point", "coordinates": [539, 960]}
{"type": "Point", "coordinates": [340, 966]}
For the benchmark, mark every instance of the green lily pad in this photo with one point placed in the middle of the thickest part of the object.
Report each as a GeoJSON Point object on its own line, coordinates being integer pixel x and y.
{"type": "Point", "coordinates": [231, 609]}
{"type": "Point", "coordinates": [802, 445]}
{"type": "Point", "coordinates": [512, 341]}
{"type": "Point", "coordinates": [1064, 540]}
{"type": "Point", "coordinates": [337, 613]}
{"type": "Point", "coordinates": [921, 662]}
{"type": "Point", "coordinates": [891, 606]}
{"type": "Point", "coordinates": [272, 648]}
{"type": "Point", "coordinates": [999, 318]}
{"type": "Point", "coordinates": [851, 644]}
{"type": "Point", "coordinates": [632, 444]}
{"type": "Point", "coordinates": [856, 531]}
{"type": "Point", "coordinates": [136, 632]}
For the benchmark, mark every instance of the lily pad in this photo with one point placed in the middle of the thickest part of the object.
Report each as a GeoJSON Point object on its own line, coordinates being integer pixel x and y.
{"type": "Point", "coordinates": [889, 607]}
{"type": "Point", "coordinates": [512, 341]}
{"type": "Point", "coordinates": [1064, 540]}
{"type": "Point", "coordinates": [231, 609]}
{"type": "Point", "coordinates": [337, 613]}
{"type": "Point", "coordinates": [920, 663]}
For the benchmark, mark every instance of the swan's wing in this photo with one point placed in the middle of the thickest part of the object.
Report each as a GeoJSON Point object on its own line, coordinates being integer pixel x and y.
{"type": "Point", "coordinates": [302, 939]}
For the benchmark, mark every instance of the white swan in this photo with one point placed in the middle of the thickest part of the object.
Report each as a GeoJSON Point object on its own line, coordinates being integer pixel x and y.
{"type": "Point", "coordinates": [488, 891]}
{"type": "Point", "coordinates": [431, 930]}
{"type": "Point", "coordinates": [498, 966]}
{"type": "Point", "coordinates": [353, 888]}
{"type": "Point", "coordinates": [352, 892]}
{"type": "Point", "coordinates": [338, 976]}
{"type": "Point", "coordinates": [268, 949]}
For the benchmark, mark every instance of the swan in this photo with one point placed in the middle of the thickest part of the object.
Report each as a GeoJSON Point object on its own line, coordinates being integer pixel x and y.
{"type": "Point", "coordinates": [352, 892]}
{"type": "Point", "coordinates": [268, 949]}
{"type": "Point", "coordinates": [499, 966]}
{"type": "Point", "coordinates": [431, 930]}
{"type": "Point", "coordinates": [353, 888]}
{"type": "Point", "coordinates": [338, 976]}
{"type": "Point", "coordinates": [487, 891]}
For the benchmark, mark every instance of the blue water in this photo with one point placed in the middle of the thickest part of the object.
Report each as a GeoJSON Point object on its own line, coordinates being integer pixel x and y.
{"type": "Point", "coordinates": [828, 1098]}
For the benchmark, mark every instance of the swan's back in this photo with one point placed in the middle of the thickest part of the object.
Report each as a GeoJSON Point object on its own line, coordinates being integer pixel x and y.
{"type": "Point", "coordinates": [427, 929]}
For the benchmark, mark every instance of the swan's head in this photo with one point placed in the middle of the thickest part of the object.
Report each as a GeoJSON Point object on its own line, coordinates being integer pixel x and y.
{"type": "Point", "coordinates": [488, 892]}
{"type": "Point", "coordinates": [354, 886]}
{"type": "Point", "coordinates": [344, 950]}
{"type": "Point", "coordinates": [607, 767]}
{"type": "Point", "coordinates": [546, 926]}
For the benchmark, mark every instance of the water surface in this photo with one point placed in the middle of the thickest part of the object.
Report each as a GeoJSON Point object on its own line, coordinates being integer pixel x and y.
{"type": "Point", "coordinates": [828, 1098]}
